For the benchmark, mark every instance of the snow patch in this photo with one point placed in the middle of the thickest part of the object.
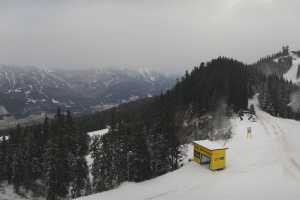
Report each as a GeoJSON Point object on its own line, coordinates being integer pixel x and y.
{"type": "Point", "coordinates": [55, 101]}
{"type": "Point", "coordinates": [291, 75]}
{"type": "Point", "coordinates": [3, 110]}
{"type": "Point", "coordinates": [98, 132]}
{"type": "Point", "coordinates": [2, 138]}
{"type": "Point", "coordinates": [7, 193]}
{"type": "Point", "coordinates": [147, 74]}
{"type": "Point", "coordinates": [29, 100]}
{"type": "Point", "coordinates": [133, 98]}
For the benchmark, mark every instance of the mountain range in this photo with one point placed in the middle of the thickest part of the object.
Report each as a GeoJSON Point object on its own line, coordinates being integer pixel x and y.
{"type": "Point", "coordinates": [34, 90]}
{"type": "Point", "coordinates": [31, 90]}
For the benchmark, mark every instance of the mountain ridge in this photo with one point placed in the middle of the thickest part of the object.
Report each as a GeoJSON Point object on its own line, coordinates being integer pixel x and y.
{"type": "Point", "coordinates": [27, 90]}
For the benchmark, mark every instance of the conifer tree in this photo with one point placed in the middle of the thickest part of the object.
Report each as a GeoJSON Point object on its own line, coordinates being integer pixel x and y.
{"type": "Point", "coordinates": [3, 158]}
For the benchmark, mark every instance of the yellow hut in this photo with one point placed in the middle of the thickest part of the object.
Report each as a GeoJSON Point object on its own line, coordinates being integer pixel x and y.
{"type": "Point", "coordinates": [206, 151]}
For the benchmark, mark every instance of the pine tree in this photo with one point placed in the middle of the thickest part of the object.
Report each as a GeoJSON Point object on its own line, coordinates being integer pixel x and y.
{"type": "Point", "coordinates": [17, 159]}
{"type": "Point", "coordinates": [140, 167]}
{"type": "Point", "coordinates": [77, 150]}
{"type": "Point", "coordinates": [58, 166]}
{"type": "Point", "coordinates": [102, 166]}
{"type": "Point", "coordinates": [51, 170]}
{"type": "Point", "coordinates": [3, 158]}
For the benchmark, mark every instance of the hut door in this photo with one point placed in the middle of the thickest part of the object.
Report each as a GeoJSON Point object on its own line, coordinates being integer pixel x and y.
{"type": "Point", "coordinates": [204, 159]}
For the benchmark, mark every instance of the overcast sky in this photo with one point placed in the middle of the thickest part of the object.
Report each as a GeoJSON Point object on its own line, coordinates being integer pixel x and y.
{"type": "Point", "coordinates": [171, 35]}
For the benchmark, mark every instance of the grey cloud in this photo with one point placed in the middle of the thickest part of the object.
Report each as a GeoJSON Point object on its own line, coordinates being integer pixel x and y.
{"type": "Point", "coordinates": [171, 35]}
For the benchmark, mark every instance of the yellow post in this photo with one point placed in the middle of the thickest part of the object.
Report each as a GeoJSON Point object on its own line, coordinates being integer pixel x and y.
{"type": "Point", "coordinates": [249, 133]}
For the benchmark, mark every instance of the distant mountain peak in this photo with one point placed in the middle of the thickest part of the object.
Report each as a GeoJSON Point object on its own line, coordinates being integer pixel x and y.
{"type": "Point", "coordinates": [26, 90]}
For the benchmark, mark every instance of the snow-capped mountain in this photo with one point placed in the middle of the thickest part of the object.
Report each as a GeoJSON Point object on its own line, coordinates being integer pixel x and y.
{"type": "Point", "coordinates": [27, 90]}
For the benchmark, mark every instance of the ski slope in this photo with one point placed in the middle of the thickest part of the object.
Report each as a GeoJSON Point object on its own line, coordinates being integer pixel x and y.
{"type": "Point", "coordinates": [291, 75]}
{"type": "Point", "coordinates": [266, 166]}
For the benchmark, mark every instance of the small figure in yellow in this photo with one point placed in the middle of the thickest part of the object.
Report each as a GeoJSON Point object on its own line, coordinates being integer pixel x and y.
{"type": "Point", "coordinates": [249, 132]}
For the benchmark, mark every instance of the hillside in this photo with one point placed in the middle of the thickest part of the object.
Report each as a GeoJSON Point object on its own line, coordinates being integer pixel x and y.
{"type": "Point", "coordinates": [266, 166]}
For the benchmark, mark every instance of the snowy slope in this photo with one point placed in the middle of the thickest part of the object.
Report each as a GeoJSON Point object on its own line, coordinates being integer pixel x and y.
{"type": "Point", "coordinates": [292, 73]}
{"type": "Point", "coordinates": [7, 193]}
{"type": "Point", "coordinates": [266, 166]}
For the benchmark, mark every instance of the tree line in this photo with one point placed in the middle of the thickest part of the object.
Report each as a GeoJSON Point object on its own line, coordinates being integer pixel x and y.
{"type": "Point", "coordinates": [48, 159]}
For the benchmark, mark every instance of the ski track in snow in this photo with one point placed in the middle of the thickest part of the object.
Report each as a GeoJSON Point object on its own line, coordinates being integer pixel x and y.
{"type": "Point", "coordinates": [289, 163]}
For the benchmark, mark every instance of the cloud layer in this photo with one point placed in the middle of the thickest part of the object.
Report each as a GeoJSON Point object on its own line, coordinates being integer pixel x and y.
{"type": "Point", "coordinates": [163, 34]}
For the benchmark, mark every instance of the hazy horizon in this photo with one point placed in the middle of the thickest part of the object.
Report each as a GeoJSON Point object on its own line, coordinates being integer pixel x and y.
{"type": "Point", "coordinates": [165, 35]}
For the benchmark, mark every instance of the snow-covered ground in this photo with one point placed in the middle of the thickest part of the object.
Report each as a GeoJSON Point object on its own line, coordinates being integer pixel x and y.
{"type": "Point", "coordinates": [88, 158]}
{"type": "Point", "coordinates": [7, 193]}
{"type": "Point", "coordinates": [98, 132]}
{"type": "Point", "coordinates": [264, 166]}
{"type": "Point", "coordinates": [291, 75]}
